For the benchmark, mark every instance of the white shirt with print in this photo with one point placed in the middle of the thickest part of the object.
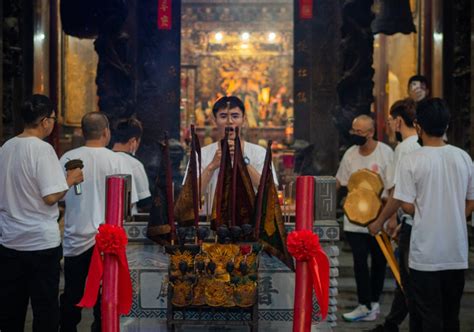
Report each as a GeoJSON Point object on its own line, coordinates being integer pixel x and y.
{"type": "Point", "coordinates": [352, 161]}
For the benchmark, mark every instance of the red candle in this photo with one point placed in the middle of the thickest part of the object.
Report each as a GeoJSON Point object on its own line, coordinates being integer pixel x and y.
{"type": "Point", "coordinates": [303, 303]}
{"type": "Point", "coordinates": [113, 216]}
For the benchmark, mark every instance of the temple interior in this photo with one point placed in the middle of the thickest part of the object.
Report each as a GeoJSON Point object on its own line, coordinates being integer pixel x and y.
{"type": "Point", "coordinates": [304, 69]}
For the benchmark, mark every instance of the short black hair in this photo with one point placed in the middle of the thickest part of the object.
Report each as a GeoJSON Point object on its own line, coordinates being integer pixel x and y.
{"type": "Point", "coordinates": [93, 125]}
{"type": "Point", "coordinates": [36, 107]}
{"type": "Point", "coordinates": [406, 109]}
{"type": "Point", "coordinates": [228, 101]}
{"type": "Point", "coordinates": [125, 129]}
{"type": "Point", "coordinates": [418, 78]}
{"type": "Point", "coordinates": [432, 114]}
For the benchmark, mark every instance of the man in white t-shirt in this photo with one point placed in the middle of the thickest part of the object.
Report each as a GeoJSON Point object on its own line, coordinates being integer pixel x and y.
{"type": "Point", "coordinates": [376, 156]}
{"type": "Point", "coordinates": [401, 121]}
{"type": "Point", "coordinates": [228, 112]}
{"type": "Point", "coordinates": [31, 183]}
{"type": "Point", "coordinates": [436, 182]}
{"type": "Point", "coordinates": [126, 136]}
{"type": "Point", "coordinates": [84, 213]}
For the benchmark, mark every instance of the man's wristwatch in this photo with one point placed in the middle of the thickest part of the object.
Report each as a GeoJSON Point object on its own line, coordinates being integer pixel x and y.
{"type": "Point", "coordinates": [246, 161]}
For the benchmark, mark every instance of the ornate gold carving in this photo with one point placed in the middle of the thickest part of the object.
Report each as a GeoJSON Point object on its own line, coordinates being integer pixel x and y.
{"type": "Point", "coordinates": [246, 294]}
{"type": "Point", "coordinates": [216, 293]}
{"type": "Point", "coordinates": [199, 296]}
{"type": "Point", "coordinates": [226, 285]}
{"type": "Point", "coordinates": [182, 293]}
{"type": "Point", "coordinates": [179, 256]}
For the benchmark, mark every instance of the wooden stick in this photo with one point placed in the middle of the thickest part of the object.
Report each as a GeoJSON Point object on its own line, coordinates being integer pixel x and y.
{"type": "Point", "coordinates": [390, 258]}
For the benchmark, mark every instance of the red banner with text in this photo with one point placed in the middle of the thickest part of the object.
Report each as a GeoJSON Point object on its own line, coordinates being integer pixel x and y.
{"type": "Point", "coordinates": [164, 14]}
{"type": "Point", "coordinates": [306, 9]}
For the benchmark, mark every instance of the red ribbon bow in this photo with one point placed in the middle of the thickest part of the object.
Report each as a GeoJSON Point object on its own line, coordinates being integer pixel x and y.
{"type": "Point", "coordinates": [305, 246]}
{"type": "Point", "coordinates": [110, 240]}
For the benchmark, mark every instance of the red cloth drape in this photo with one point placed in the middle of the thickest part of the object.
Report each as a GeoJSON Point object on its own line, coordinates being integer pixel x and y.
{"type": "Point", "coordinates": [110, 240]}
{"type": "Point", "coordinates": [305, 247]}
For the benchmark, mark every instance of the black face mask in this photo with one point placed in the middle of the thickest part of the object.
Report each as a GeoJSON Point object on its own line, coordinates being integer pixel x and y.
{"type": "Point", "coordinates": [358, 140]}
{"type": "Point", "coordinates": [398, 136]}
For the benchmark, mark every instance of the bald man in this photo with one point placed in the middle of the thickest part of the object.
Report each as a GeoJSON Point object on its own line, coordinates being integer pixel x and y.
{"type": "Point", "coordinates": [84, 214]}
{"type": "Point", "coordinates": [376, 156]}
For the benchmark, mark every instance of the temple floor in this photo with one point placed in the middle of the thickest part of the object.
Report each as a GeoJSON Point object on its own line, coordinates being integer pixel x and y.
{"type": "Point", "coordinates": [346, 300]}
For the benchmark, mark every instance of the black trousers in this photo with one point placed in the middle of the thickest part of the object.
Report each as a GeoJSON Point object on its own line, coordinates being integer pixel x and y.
{"type": "Point", "coordinates": [75, 275]}
{"type": "Point", "coordinates": [369, 284]}
{"type": "Point", "coordinates": [29, 275]}
{"type": "Point", "coordinates": [399, 309]}
{"type": "Point", "coordinates": [437, 298]}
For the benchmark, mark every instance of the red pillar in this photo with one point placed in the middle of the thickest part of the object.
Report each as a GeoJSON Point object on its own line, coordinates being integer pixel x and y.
{"type": "Point", "coordinates": [303, 303]}
{"type": "Point", "coordinates": [115, 187]}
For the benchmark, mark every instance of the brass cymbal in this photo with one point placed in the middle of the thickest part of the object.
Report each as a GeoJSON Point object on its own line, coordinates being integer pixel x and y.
{"type": "Point", "coordinates": [366, 179]}
{"type": "Point", "coordinates": [362, 206]}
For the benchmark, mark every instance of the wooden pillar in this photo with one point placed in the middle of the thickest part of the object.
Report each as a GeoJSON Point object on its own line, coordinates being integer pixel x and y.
{"type": "Point", "coordinates": [158, 80]}
{"type": "Point", "coordinates": [427, 31]}
{"type": "Point", "coordinates": [357, 45]}
{"type": "Point", "coordinates": [381, 77]}
{"type": "Point", "coordinates": [54, 68]}
{"type": "Point", "coordinates": [317, 71]}
{"type": "Point", "coordinates": [457, 71]}
{"type": "Point", "coordinates": [159, 71]}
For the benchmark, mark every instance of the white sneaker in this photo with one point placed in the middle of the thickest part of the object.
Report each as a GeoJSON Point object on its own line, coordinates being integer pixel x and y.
{"type": "Point", "coordinates": [359, 313]}
{"type": "Point", "coordinates": [372, 313]}
{"type": "Point", "coordinates": [375, 307]}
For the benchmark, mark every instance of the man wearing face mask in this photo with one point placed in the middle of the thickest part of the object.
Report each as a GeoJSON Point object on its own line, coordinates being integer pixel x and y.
{"type": "Point", "coordinates": [436, 181]}
{"type": "Point", "coordinates": [127, 136]}
{"type": "Point", "coordinates": [402, 115]}
{"type": "Point", "coordinates": [376, 156]}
